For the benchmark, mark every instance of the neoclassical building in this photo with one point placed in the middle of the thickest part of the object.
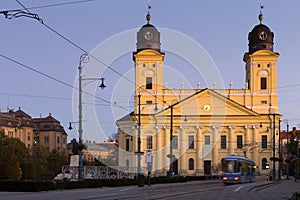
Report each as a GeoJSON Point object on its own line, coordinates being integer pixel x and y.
{"type": "Point", "coordinates": [197, 127]}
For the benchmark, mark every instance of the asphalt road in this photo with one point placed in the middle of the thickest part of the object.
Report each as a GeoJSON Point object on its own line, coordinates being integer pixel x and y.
{"type": "Point", "coordinates": [191, 190]}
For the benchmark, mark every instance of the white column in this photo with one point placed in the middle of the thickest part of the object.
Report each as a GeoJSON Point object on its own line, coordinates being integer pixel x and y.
{"type": "Point", "coordinates": [159, 151]}
{"type": "Point", "coordinates": [166, 151]}
{"type": "Point", "coordinates": [247, 142]}
{"type": "Point", "coordinates": [199, 158]}
{"type": "Point", "coordinates": [183, 149]}
{"type": "Point", "coordinates": [231, 139]}
{"type": "Point", "coordinates": [255, 150]}
{"type": "Point", "coordinates": [215, 135]}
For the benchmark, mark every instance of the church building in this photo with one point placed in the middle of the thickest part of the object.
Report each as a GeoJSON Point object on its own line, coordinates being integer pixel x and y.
{"type": "Point", "coordinates": [189, 131]}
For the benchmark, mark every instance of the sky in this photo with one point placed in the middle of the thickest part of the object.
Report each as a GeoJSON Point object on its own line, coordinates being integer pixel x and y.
{"type": "Point", "coordinates": [39, 61]}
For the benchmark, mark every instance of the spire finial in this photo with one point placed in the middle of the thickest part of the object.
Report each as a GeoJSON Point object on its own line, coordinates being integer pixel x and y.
{"type": "Point", "coordinates": [148, 17]}
{"type": "Point", "coordinates": [261, 16]}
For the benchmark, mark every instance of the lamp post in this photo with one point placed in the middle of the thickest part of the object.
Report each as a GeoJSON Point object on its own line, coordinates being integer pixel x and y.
{"type": "Point", "coordinates": [139, 152]}
{"type": "Point", "coordinates": [274, 168]}
{"type": "Point", "coordinates": [171, 144]}
{"type": "Point", "coordinates": [279, 153]}
{"type": "Point", "coordinates": [84, 58]}
{"type": "Point", "coordinates": [287, 149]}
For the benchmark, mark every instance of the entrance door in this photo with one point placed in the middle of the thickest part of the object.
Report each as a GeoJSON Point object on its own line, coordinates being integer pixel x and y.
{"type": "Point", "coordinates": [207, 167]}
{"type": "Point", "coordinates": [175, 167]}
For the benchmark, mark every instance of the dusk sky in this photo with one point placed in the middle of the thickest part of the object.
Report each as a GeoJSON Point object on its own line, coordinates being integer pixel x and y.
{"type": "Point", "coordinates": [39, 61]}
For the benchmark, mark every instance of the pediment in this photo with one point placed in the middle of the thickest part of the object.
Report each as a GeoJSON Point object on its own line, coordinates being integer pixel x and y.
{"type": "Point", "coordinates": [209, 103]}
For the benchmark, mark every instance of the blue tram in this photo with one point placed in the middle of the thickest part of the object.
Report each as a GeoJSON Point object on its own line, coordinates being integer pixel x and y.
{"type": "Point", "coordinates": [237, 169]}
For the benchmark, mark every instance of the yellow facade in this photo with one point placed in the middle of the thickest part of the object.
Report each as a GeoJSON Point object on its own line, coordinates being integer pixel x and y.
{"type": "Point", "coordinates": [206, 124]}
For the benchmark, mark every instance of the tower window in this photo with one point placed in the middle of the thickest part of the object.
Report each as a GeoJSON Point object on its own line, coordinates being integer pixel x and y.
{"type": "Point", "coordinates": [258, 65]}
{"type": "Point", "coordinates": [269, 65]}
{"type": "Point", "coordinates": [148, 82]}
{"type": "Point", "coordinates": [263, 83]}
{"type": "Point", "coordinates": [264, 102]}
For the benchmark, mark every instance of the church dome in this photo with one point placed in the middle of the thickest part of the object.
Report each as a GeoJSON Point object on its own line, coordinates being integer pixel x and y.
{"type": "Point", "coordinates": [148, 37]}
{"type": "Point", "coordinates": [260, 38]}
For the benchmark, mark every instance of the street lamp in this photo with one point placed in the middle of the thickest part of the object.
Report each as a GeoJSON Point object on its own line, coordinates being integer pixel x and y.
{"type": "Point", "coordinates": [287, 148]}
{"type": "Point", "coordinates": [84, 58]}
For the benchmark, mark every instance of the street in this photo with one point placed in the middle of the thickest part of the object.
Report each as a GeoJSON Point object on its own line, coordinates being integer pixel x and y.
{"type": "Point", "coordinates": [191, 190]}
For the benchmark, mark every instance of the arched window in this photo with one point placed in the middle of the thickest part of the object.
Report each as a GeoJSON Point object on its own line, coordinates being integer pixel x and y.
{"type": "Point", "coordinates": [264, 163]}
{"type": "Point", "coordinates": [191, 164]}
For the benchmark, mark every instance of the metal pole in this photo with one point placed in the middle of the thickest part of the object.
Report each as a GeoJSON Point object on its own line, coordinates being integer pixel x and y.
{"type": "Point", "coordinates": [279, 153]}
{"type": "Point", "coordinates": [80, 131]}
{"type": "Point", "coordinates": [140, 176]}
{"type": "Point", "coordinates": [171, 144]}
{"type": "Point", "coordinates": [274, 168]}
{"type": "Point", "coordinates": [287, 151]}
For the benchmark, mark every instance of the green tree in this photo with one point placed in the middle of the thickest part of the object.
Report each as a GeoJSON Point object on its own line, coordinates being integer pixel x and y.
{"type": "Point", "coordinates": [55, 161]}
{"type": "Point", "coordinates": [293, 145]}
{"type": "Point", "coordinates": [13, 154]}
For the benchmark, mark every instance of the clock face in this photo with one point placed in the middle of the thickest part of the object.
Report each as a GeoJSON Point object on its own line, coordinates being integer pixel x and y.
{"type": "Point", "coordinates": [206, 107]}
{"type": "Point", "coordinates": [148, 35]}
{"type": "Point", "coordinates": [263, 35]}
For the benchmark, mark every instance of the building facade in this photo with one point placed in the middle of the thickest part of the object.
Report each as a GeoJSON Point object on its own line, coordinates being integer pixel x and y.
{"type": "Point", "coordinates": [191, 130]}
{"type": "Point", "coordinates": [43, 132]}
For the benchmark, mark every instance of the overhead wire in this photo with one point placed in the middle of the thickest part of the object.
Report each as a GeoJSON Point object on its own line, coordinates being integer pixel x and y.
{"type": "Point", "coordinates": [92, 56]}
{"type": "Point", "coordinates": [57, 80]}
{"type": "Point", "coordinates": [83, 50]}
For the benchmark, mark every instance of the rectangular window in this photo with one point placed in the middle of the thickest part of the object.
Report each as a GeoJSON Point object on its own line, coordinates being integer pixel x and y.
{"type": "Point", "coordinates": [191, 142]}
{"type": "Point", "coordinates": [263, 83]}
{"type": "Point", "coordinates": [175, 142]}
{"type": "Point", "coordinates": [46, 139]}
{"type": "Point", "coordinates": [258, 65]}
{"type": "Point", "coordinates": [264, 141]}
{"type": "Point", "coordinates": [127, 145]}
{"type": "Point", "coordinates": [223, 141]}
{"type": "Point", "coordinates": [149, 83]}
{"type": "Point", "coordinates": [239, 141]}
{"type": "Point", "coordinates": [207, 140]}
{"type": "Point", "coordinates": [148, 102]}
{"type": "Point", "coordinates": [28, 137]}
{"type": "Point", "coordinates": [149, 142]}
{"type": "Point", "coordinates": [58, 139]}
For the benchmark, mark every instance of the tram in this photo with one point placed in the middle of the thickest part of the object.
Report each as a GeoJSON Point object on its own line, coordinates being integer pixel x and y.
{"type": "Point", "coordinates": [237, 169]}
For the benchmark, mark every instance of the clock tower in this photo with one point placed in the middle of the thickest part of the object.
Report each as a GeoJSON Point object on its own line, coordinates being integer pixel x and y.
{"type": "Point", "coordinates": [261, 69]}
{"type": "Point", "coordinates": [148, 60]}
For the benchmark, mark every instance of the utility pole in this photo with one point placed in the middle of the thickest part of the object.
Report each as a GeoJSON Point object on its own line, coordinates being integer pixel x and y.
{"type": "Point", "coordinates": [140, 176]}
{"type": "Point", "coordinates": [274, 168]}
{"type": "Point", "coordinates": [279, 153]}
{"type": "Point", "coordinates": [287, 151]}
{"type": "Point", "coordinates": [171, 144]}
{"type": "Point", "coordinates": [80, 131]}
